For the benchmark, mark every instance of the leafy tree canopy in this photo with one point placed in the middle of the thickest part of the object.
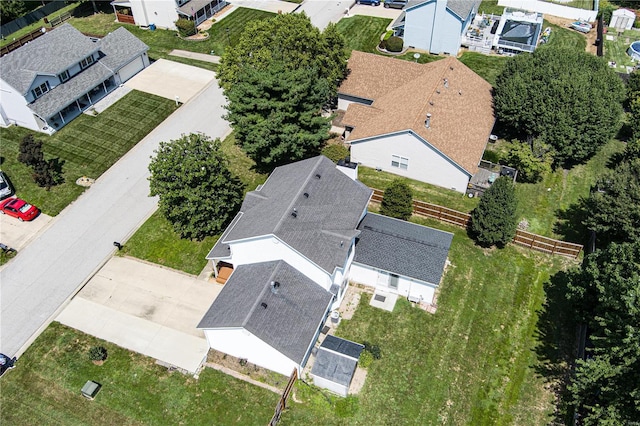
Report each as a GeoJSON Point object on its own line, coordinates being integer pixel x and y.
{"type": "Point", "coordinates": [292, 40]}
{"type": "Point", "coordinates": [570, 99]}
{"type": "Point", "coordinates": [198, 194]}
{"type": "Point", "coordinates": [605, 291]}
{"type": "Point", "coordinates": [397, 200]}
{"type": "Point", "coordinates": [275, 113]}
{"type": "Point", "coordinates": [494, 221]}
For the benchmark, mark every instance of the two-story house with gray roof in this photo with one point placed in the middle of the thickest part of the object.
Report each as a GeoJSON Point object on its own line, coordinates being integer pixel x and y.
{"type": "Point", "coordinates": [436, 26]}
{"type": "Point", "coordinates": [288, 255]}
{"type": "Point", "coordinates": [54, 78]}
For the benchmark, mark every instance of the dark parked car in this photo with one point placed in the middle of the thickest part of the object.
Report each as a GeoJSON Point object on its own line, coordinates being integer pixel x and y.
{"type": "Point", "coordinates": [395, 4]}
{"type": "Point", "coordinates": [369, 2]}
{"type": "Point", "coordinates": [6, 363]}
{"type": "Point", "coordinates": [6, 190]}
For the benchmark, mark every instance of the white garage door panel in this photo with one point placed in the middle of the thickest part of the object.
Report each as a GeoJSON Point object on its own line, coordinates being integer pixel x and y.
{"type": "Point", "coordinates": [131, 69]}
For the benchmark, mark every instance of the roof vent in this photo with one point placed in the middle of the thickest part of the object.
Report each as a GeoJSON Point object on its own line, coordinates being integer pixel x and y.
{"type": "Point", "coordinates": [306, 195]}
{"type": "Point", "coordinates": [438, 91]}
{"type": "Point", "coordinates": [341, 243]}
{"type": "Point", "coordinates": [318, 176]}
{"type": "Point", "coordinates": [460, 92]}
{"type": "Point", "coordinates": [427, 122]}
{"type": "Point", "coordinates": [264, 305]}
{"type": "Point", "coordinates": [294, 213]}
{"type": "Point", "coordinates": [451, 67]}
{"type": "Point", "coordinates": [275, 286]}
{"type": "Point", "coordinates": [431, 103]}
{"type": "Point", "coordinates": [446, 83]}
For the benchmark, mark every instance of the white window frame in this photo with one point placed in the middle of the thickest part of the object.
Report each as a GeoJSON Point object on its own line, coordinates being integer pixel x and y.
{"type": "Point", "coordinates": [399, 162]}
{"type": "Point", "coordinates": [40, 90]}
{"type": "Point", "coordinates": [64, 76]}
{"type": "Point", "coordinates": [86, 62]}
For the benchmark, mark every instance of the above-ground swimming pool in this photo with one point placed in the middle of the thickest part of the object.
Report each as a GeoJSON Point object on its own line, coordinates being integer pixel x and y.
{"type": "Point", "coordinates": [634, 50]}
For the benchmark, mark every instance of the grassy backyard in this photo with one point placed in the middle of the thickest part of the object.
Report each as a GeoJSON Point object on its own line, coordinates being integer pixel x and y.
{"type": "Point", "coordinates": [615, 50]}
{"type": "Point", "coordinates": [472, 362]}
{"type": "Point", "coordinates": [88, 146]}
{"type": "Point", "coordinates": [44, 388]}
{"type": "Point", "coordinates": [362, 32]}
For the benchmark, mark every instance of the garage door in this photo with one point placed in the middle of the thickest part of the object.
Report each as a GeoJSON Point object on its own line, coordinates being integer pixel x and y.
{"type": "Point", "coordinates": [131, 69]}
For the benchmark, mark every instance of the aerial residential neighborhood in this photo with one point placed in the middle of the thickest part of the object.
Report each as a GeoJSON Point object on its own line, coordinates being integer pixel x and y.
{"type": "Point", "coordinates": [309, 212]}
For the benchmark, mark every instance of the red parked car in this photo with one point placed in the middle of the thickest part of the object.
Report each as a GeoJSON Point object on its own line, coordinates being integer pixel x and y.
{"type": "Point", "coordinates": [19, 208]}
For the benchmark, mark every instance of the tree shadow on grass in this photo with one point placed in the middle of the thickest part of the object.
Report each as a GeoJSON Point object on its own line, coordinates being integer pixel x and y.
{"type": "Point", "coordinates": [570, 223]}
{"type": "Point", "coordinates": [556, 335]}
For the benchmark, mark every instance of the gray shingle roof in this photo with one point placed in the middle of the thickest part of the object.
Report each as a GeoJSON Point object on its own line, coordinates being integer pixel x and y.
{"type": "Point", "coordinates": [292, 316]}
{"type": "Point", "coordinates": [462, 8]}
{"type": "Point", "coordinates": [402, 248]}
{"type": "Point", "coordinates": [334, 367]}
{"type": "Point", "coordinates": [49, 54]}
{"type": "Point", "coordinates": [325, 219]}
{"type": "Point", "coordinates": [342, 346]}
{"type": "Point", "coordinates": [119, 48]}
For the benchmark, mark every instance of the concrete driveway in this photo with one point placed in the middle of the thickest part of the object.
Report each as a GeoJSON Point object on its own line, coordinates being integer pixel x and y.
{"type": "Point", "coordinates": [274, 6]}
{"type": "Point", "coordinates": [170, 79]}
{"type": "Point", "coordinates": [322, 12]}
{"type": "Point", "coordinates": [145, 308]}
{"type": "Point", "coordinates": [377, 11]}
{"type": "Point", "coordinates": [16, 234]}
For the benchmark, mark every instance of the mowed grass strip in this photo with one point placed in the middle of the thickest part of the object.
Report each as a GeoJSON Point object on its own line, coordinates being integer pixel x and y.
{"type": "Point", "coordinates": [88, 146]}
{"type": "Point", "coordinates": [44, 388]}
{"type": "Point", "coordinates": [362, 32]}
{"type": "Point", "coordinates": [472, 362]}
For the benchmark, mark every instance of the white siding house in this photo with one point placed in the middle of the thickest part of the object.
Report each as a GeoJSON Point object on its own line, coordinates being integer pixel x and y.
{"type": "Point", "coordinates": [436, 26]}
{"type": "Point", "coordinates": [164, 13]}
{"type": "Point", "coordinates": [426, 122]}
{"type": "Point", "coordinates": [52, 79]}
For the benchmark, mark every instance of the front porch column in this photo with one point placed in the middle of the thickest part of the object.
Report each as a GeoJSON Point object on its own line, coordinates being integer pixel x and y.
{"type": "Point", "coordinates": [61, 117]}
{"type": "Point", "coordinates": [89, 97]}
{"type": "Point", "coordinates": [78, 105]}
{"type": "Point", "coordinates": [104, 86]}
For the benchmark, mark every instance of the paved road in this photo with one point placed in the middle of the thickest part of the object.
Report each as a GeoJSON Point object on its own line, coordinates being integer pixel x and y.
{"type": "Point", "coordinates": [322, 12]}
{"type": "Point", "coordinates": [40, 280]}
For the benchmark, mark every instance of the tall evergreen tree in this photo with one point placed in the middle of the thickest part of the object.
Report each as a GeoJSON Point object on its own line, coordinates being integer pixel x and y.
{"type": "Point", "coordinates": [494, 221]}
{"type": "Point", "coordinates": [398, 200]}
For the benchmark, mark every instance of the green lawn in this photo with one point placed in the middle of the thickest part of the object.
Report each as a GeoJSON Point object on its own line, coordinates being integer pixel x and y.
{"type": "Point", "coordinates": [89, 145]}
{"type": "Point", "coordinates": [472, 362]}
{"type": "Point", "coordinates": [489, 7]}
{"type": "Point", "coordinates": [616, 50]}
{"type": "Point", "coordinates": [566, 37]}
{"type": "Point", "coordinates": [44, 389]}
{"type": "Point", "coordinates": [486, 66]}
{"type": "Point", "coordinates": [362, 32]}
{"type": "Point", "coordinates": [161, 42]}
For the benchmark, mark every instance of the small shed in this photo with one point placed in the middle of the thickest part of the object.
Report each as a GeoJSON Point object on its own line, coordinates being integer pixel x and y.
{"type": "Point", "coordinates": [622, 19]}
{"type": "Point", "coordinates": [335, 364]}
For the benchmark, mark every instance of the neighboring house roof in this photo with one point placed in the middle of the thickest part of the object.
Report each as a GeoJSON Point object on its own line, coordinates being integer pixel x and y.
{"type": "Point", "coordinates": [119, 48]}
{"type": "Point", "coordinates": [404, 92]}
{"type": "Point", "coordinates": [336, 360]}
{"type": "Point", "coordinates": [192, 7]}
{"type": "Point", "coordinates": [291, 318]}
{"type": "Point", "coordinates": [310, 205]}
{"type": "Point", "coordinates": [402, 248]}
{"type": "Point", "coordinates": [49, 54]}
{"type": "Point", "coordinates": [462, 8]}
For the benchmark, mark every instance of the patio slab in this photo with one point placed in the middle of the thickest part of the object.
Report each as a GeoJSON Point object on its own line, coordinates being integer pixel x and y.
{"type": "Point", "coordinates": [383, 300]}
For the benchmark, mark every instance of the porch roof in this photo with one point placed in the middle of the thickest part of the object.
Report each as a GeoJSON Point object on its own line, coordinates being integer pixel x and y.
{"type": "Point", "coordinates": [190, 8]}
{"type": "Point", "coordinates": [64, 94]}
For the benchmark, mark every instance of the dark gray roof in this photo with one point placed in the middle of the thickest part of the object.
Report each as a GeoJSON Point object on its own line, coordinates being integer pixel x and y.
{"type": "Point", "coordinates": [336, 366]}
{"type": "Point", "coordinates": [193, 6]}
{"type": "Point", "coordinates": [402, 248]}
{"type": "Point", "coordinates": [119, 48]}
{"type": "Point", "coordinates": [462, 8]}
{"type": "Point", "coordinates": [342, 346]}
{"type": "Point", "coordinates": [49, 54]}
{"type": "Point", "coordinates": [292, 316]}
{"type": "Point", "coordinates": [325, 218]}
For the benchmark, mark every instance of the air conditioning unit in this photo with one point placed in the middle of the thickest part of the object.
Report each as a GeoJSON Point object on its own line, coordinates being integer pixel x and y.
{"type": "Point", "coordinates": [414, 299]}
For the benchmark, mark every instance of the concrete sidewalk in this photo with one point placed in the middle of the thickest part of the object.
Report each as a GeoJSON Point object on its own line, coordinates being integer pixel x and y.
{"type": "Point", "coordinates": [197, 56]}
{"type": "Point", "coordinates": [145, 308]}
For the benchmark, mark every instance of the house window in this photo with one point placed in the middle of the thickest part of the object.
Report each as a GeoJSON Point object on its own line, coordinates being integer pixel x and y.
{"type": "Point", "coordinates": [86, 62]}
{"type": "Point", "coordinates": [64, 76]}
{"type": "Point", "coordinates": [40, 90]}
{"type": "Point", "coordinates": [400, 162]}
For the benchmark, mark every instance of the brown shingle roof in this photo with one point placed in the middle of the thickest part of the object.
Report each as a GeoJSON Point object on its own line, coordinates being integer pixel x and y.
{"type": "Point", "coordinates": [404, 92]}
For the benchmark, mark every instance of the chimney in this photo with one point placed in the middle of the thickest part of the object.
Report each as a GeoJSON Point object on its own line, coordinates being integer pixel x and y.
{"type": "Point", "coordinates": [427, 122]}
{"type": "Point", "coordinates": [275, 286]}
{"type": "Point", "coordinates": [446, 83]}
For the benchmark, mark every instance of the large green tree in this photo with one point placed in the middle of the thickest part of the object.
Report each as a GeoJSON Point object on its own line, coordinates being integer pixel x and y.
{"type": "Point", "coordinates": [606, 295]}
{"type": "Point", "coordinates": [613, 207]}
{"type": "Point", "coordinates": [276, 113]}
{"type": "Point", "coordinates": [569, 99]}
{"type": "Point", "coordinates": [292, 40]}
{"type": "Point", "coordinates": [494, 221]}
{"type": "Point", "coordinates": [198, 194]}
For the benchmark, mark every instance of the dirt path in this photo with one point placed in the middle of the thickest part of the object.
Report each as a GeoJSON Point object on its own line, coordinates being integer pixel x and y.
{"type": "Point", "coordinates": [566, 23]}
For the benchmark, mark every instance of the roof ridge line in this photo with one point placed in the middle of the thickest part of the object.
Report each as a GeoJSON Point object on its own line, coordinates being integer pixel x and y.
{"type": "Point", "coordinates": [260, 296]}
{"type": "Point", "coordinates": [435, 88]}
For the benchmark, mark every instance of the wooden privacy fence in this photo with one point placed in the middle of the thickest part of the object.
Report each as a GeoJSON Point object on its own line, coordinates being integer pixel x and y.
{"type": "Point", "coordinates": [59, 19]}
{"type": "Point", "coordinates": [522, 238]}
{"type": "Point", "coordinates": [282, 402]}
{"type": "Point", "coordinates": [21, 41]}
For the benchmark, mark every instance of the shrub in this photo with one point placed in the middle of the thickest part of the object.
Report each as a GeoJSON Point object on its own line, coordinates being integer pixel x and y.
{"type": "Point", "coordinates": [383, 45]}
{"type": "Point", "coordinates": [30, 151]}
{"type": "Point", "coordinates": [98, 353]}
{"type": "Point", "coordinates": [530, 168]}
{"type": "Point", "coordinates": [397, 200]}
{"type": "Point", "coordinates": [347, 407]}
{"type": "Point", "coordinates": [394, 44]}
{"type": "Point", "coordinates": [185, 27]}
{"type": "Point", "coordinates": [374, 350]}
{"type": "Point", "coordinates": [494, 221]}
{"type": "Point", "coordinates": [335, 152]}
